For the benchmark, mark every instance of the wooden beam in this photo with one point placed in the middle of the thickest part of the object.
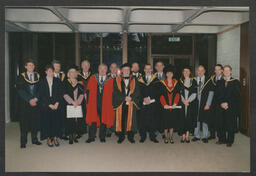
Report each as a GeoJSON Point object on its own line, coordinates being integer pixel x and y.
{"type": "Point", "coordinates": [125, 48]}
{"type": "Point", "coordinates": [101, 48]}
{"type": "Point", "coordinates": [149, 49]}
{"type": "Point", "coordinates": [77, 49]}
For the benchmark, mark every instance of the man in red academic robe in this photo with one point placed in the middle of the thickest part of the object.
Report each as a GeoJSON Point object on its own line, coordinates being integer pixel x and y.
{"type": "Point", "coordinates": [100, 112]}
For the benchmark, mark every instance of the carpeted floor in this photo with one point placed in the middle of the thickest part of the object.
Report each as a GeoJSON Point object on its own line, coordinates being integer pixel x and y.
{"type": "Point", "coordinates": [113, 157]}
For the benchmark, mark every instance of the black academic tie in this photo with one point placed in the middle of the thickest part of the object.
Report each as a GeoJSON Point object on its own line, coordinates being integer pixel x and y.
{"type": "Point", "coordinates": [200, 83]}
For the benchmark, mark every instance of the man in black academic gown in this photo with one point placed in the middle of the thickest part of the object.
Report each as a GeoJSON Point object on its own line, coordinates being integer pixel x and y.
{"type": "Point", "coordinates": [229, 104]}
{"type": "Point", "coordinates": [204, 97]}
{"type": "Point", "coordinates": [149, 85]}
{"type": "Point", "coordinates": [159, 67]}
{"type": "Point", "coordinates": [57, 73]}
{"type": "Point", "coordinates": [218, 69]}
{"type": "Point", "coordinates": [136, 70]}
{"type": "Point", "coordinates": [126, 99]}
{"type": "Point", "coordinates": [28, 90]}
{"type": "Point", "coordinates": [84, 75]}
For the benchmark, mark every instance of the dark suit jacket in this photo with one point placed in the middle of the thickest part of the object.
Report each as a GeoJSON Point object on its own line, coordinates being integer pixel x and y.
{"type": "Point", "coordinates": [44, 92]}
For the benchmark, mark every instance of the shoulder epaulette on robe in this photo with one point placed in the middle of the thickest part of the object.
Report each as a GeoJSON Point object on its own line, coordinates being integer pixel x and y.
{"type": "Point", "coordinates": [27, 80]}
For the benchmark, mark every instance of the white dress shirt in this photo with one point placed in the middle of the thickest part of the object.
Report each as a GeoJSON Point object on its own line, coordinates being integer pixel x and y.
{"type": "Point", "coordinates": [126, 82]}
{"type": "Point", "coordinates": [31, 76]}
{"type": "Point", "coordinates": [50, 81]}
{"type": "Point", "coordinates": [148, 77]}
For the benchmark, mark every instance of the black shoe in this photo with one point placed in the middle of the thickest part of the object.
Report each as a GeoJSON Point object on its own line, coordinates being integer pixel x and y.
{"type": "Point", "coordinates": [154, 140]}
{"type": "Point", "coordinates": [109, 134]}
{"type": "Point", "coordinates": [182, 141]}
{"type": "Point", "coordinates": [211, 137]}
{"type": "Point", "coordinates": [166, 141]}
{"type": "Point", "coordinates": [131, 140]}
{"type": "Point", "coordinates": [36, 143]}
{"type": "Point", "coordinates": [187, 141]}
{"type": "Point", "coordinates": [57, 144]}
{"type": "Point", "coordinates": [205, 140]}
{"type": "Point", "coordinates": [120, 140]}
{"type": "Point", "coordinates": [75, 140]}
{"type": "Point", "coordinates": [78, 136]}
{"type": "Point", "coordinates": [50, 145]}
{"type": "Point", "coordinates": [102, 140]}
{"type": "Point", "coordinates": [90, 140]}
{"type": "Point", "coordinates": [64, 138]}
{"type": "Point", "coordinates": [23, 146]}
{"type": "Point", "coordinates": [171, 141]}
{"type": "Point", "coordinates": [142, 140]}
{"type": "Point", "coordinates": [195, 139]}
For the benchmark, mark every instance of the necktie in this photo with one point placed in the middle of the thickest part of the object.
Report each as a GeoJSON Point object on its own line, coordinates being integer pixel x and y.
{"type": "Point", "coordinates": [31, 86]}
{"type": "Point", "coordinates": [200, 83]}
{"type": "Point", "coordinates": [101, 79]}
{"type": "Point", "coordinates": [226, 83]}
{"type": "Point", "coordinates": [30, 77]}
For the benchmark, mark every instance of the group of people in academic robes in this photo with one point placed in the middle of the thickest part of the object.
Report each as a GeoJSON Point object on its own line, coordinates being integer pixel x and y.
{"type": "Point", "coordinates": [125, 102]}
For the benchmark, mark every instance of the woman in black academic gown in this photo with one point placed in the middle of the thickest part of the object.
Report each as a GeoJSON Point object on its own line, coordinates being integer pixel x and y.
{"type": "Point", "coordinates": [187, 90]}
{"type": "Point", "coordinates": [50, 97]}
{"type": "Point", "coordinates": [169, 99]}
{"type": "Point", "coordinates": [73, 96]}
{"type": "Point", "coordinates": [229, 106]}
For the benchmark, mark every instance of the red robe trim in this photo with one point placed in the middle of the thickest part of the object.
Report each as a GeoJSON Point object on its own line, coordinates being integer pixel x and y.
{"type": "Point", "coordinates": [91, 112]}
{"type": "Point", "coordinates": [108, 114]}
{"type": "Point", "coordinates": [107, 109]}
{"type": "Point", "coordinates": [176, 98]}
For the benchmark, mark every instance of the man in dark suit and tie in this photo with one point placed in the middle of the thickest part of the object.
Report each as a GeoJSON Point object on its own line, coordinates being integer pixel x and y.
{"type": "Point", "coordinates": [28, 90]}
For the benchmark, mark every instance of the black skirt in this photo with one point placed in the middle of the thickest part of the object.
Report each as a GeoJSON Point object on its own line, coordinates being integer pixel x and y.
{"type": "Point", "coordinates": [170, 118]}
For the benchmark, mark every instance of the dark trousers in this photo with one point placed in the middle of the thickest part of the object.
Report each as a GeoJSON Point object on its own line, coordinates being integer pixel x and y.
{"type": "Point", "coordinates": [143, 133]}
{"type": "Point", "coordinates": [130, 135]}
{"type": "Point", "coordinates": [29, 122]}
{"type": "Point", "coordinates": [93, 130]}
{"type": "Point", "coordinates": [226, 136]}
{"type": "Point", "coordinates": [23, 137]}
{"type": "Point", "coordinates": [212, 132]}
